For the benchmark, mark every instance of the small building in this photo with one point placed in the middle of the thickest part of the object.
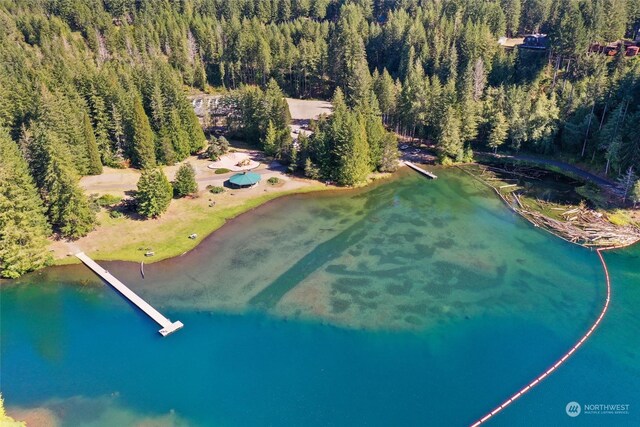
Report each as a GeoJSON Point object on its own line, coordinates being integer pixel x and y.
{"type": "Point", "coordinates": [244, 179]}
{"type": "Point", "coordinates": [535, 42]}
{"type": "Point", "coordinates": [629, 48]}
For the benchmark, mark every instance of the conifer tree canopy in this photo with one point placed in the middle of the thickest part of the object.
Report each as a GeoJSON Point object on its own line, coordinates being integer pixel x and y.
{"type": "Point", "coordinates": [185, 182]}
{"type": "Point", "coordinates": [154, 193]}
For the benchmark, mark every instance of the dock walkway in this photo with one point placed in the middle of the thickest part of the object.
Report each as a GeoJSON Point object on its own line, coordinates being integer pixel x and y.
{"type": "Point", "coordinates": [420, 170]}
{"type": "Point", "coordinates": [168, 327]}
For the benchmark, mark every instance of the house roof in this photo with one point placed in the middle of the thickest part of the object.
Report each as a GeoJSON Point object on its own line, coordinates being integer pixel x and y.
{"type": "Point", "coordinates": [246, 178]}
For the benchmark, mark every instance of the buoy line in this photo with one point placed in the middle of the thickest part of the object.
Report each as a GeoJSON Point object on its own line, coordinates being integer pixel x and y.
{"type": "Point", "coordinates": [564, 358]}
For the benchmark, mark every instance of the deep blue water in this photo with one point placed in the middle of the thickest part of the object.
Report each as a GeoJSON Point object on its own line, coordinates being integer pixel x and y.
{"type": "Point", "coordinates": [89, 357]}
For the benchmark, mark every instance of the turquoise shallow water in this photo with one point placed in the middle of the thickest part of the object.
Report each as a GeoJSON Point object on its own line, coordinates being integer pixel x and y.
{"type": "Point", "coordinates": [411, 303]}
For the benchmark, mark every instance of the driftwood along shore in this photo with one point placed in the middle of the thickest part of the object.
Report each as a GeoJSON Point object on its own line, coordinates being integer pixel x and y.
{"type": "Point", "coordinates": [576, 224]}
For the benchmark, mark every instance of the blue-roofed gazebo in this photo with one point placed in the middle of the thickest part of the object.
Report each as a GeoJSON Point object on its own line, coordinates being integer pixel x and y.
{"type": "Point", "coordinates": [245, 179]}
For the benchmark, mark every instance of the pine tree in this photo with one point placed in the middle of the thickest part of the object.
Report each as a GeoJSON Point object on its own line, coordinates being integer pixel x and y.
{"type": "Point", "coordinates": [165, 153]}
{"type": "Point", "coordinates": [311, 170]}
{"type": "Point", "coordinates": [630, 150]}
{"type": "Point", "coordinates": [117, 133]}
{"type": "Point", "coordinates": [512, 10]}
{"type": "Point", "coordinates": [68, 207]}
{"type": "Point", "coordinates": [570, 36]}
{"type": "Point", "coordinates": [154, 193]}
{"type": "Point", "coordinates": [142, 149]}
{"type": "Point", "coordinates": [635, 193]}
{"type": "Point", "coordinates": [387, 96]}
{"type": "Point", "coordinates": [374, 128]}
{"type": "Point", "coordinates": [270, 140]}
{"type": "Point", "coordinates": [180, 144]}
{"type": "Point", "coordinates": [450, 145]}
{"type": "Point", "coordinates": [389, 156]}
{"type": "Point", "coordinates": [284, 10]}
{"type": "Point", "coordinates": [66, 204]}
{"type": "Point", "coordinates": [277, 109]}
{"type": "Point", "coordinates": [185, 183]}
{"type": "Point", "coordinates": [626, 183]}
{"type": "Point", "coordinates": [542, 122]}
{"type": "Point", "coordinates": [199, 75]}
{"type": "Point", "coordinates": [23, 225]}
{"type": "Point", "coordinates": [499, 131]}
{"type": "Point", "coordinates": [192, 128]}
{"type": "Point", "coordinates": [351, 70]}
{"type": "Point", "coordinates": [95, 165]}
{"type": "Point", "coordinates": [353, 151]}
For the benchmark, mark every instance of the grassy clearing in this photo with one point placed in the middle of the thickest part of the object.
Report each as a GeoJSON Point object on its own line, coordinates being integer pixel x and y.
{"type": "Point", "coordinates": [126, 239]}
{"type": "Point", "coordinates": [620, 217]}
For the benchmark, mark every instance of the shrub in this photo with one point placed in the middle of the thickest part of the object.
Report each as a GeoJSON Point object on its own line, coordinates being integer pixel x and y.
{"type": "Point", "coordinates": [115, 214]}
{"type": "Point", "coordinates": [273, 180]}
{"type": "Point", "coordinates": [216, 190]}
{"type": "Point", "coordinates": [619, 217]}
{"type": "Point", "coordinates": [185, 183]}
{"type": "Point", "coordinates": [220, 171]}
{"type": "Point", "coordinates": [108, 200]}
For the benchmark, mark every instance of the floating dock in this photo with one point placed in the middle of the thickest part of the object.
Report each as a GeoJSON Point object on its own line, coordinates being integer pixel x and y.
{"type": "Point", "coordinates": [168, 327]}
{"type": "Point", "coordinates": [420, 170]}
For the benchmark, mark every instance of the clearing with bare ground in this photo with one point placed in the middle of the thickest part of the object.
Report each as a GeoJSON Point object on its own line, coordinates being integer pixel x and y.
{"type": "Point", "coordinates": [128, 237]}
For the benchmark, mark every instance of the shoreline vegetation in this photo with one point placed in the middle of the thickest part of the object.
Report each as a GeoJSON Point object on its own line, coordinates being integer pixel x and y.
{"type": "Point", "coordinates": [195, 215]}
{"type": "Point", "coordinates": [198, 216]}
{"type": "Point", "coordinates": [595, 221]}
{"type": "Point", "coordinates": [168, 237]}
{"type": "Point", "coordinates": [204, 213]}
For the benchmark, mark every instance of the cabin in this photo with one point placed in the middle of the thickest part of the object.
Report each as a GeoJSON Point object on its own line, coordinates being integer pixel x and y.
{"type": "Point", "coordinates": [611, 49]}
{"type": "Point", "coordinates": [535, 42]}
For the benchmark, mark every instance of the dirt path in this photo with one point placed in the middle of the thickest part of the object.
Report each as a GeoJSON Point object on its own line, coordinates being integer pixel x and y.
{"type": "Point", "coordinates": [120, 181]}
{"type": "Point", "coordinates": [588, 176]}
{"type": "Point", "coordinates": [168, 235]}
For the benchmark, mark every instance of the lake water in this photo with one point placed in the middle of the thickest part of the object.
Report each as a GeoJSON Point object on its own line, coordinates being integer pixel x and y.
{"type": "Point", "coordinates": [409, 303]}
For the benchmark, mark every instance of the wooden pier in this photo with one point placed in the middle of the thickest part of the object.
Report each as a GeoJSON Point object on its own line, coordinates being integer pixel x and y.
{"type": "Point", "coordinates": [168, 327]}
{"type": "Point", "coordinates": [420, 170]}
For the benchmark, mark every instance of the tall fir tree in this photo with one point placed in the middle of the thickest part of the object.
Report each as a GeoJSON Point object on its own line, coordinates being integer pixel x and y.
{"type": "Point", "coordinates": [499, 131]}
{"type": "Point", "coordinates": [142, 146]}
{"type": "Point", "coordinates": [154, 193]}
{"type": "Point", "coordinates": [387, 95]}
{"type": "Point", "coordinates": [450, 144]}
{"type": "Point", "coordinates": [66, 204]}
{"type": "Point", "coordinates": [354, 163]}
{"type": "Point", "coordinates": [95, 164]}
{"type": "Point", "coordinates": [351, 70]}
{"type": "Point", "coordinates": [23, 225]}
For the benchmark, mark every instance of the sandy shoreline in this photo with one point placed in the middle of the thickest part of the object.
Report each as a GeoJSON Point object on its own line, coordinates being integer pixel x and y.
{"type": "Point", "coordinates": [128, 238]}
